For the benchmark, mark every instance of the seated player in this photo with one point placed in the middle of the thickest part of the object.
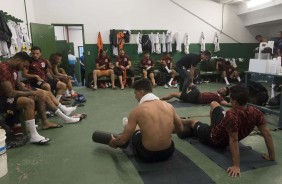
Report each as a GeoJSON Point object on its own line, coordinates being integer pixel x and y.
{"type": "Point", "coordinates": [123, 65]}
{"type": "Point", "coordinates": [228, 71]}
{"type": "Point", "coordinates": [144, 123]}
{"type": "Point", "coordinates": [104, 67]}
{"type": "Point", "coordinates": [147, 66]}
{"type": "Point", "coordinates": [227, 128]}
{"type": "Point", "coordinates": [166, 67]}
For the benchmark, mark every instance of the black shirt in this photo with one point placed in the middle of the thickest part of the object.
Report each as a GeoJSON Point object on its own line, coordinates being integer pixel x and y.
{"type": "Point", "coordinates": [188, 60]}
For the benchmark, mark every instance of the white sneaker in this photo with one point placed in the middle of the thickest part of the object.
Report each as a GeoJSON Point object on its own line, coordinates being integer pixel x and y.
{"type": "Point", "coordinates": [166, 86]}
{"type": "Point", "coordinates": [175, 85]}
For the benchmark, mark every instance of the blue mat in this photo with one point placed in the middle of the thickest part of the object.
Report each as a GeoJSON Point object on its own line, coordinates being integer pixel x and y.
{"type": "Point", "coordinates": [249, 158]}
{"type": "Point", "coordinates": [179, 169]}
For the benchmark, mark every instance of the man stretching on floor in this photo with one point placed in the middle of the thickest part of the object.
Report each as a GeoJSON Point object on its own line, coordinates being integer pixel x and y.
{"type": "Point", "coordinates": [144, 123]}
{"type": "Point", "coordinates": [227, 128]}
{"type": "Point", "coordinates": [193, 95]}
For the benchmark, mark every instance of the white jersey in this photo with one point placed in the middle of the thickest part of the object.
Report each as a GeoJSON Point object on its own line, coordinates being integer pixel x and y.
{"type": "Point", "coordinates": [178, 42]}
{"type": "Point", "coordinates": [152, 38]}
{"type": "Point", "coordinates": [163, 42]}
{"type": "Point", "coordinates": [138, 41]}
{"type": "Point", "coordinates": [169, 41]}
{"type": "Point", "coordinates": [157, 43]}
{"type": "Point", "coordinates": [186, 43]}
{"type": "Point", "coordinates": [216, 43]}
{"type": "Point", "coordinates": [202, 42]}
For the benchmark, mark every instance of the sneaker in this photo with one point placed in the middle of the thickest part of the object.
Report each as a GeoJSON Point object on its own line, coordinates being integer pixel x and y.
{"type": "Point", "coordinates": [166, 86]}
{"type": "Point", "coordinates": [175, 85]}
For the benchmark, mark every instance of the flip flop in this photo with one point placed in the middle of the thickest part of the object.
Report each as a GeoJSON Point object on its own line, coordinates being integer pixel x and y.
{"type": "Point", "coordinates": [81, 116]}
{"type": "Point", "coordinates": [42, 142]}
{"type": "Point", "coordinates": [53, 127]}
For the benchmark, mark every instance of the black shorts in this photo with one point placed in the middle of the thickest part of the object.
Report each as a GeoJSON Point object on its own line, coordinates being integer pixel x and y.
{"type": "Point", "coordinates": [147, 155]}
{"type": "Point", "coordinates": [202, 131]}
{"type": "Point", "coordinates": [8, 105]}
{"type": "Point", "coordinates": [53, 84]}
{"type": "Point", "coordinates": [151, 70]}
{"type": "Point", "coordinates": [191, 97]}
{"type": "Point", "coordinates": [163, 70]}
{"type": "Point", "coordinates": [217, 115]}
{"type": "Point", "coordinates": [36, 84]}
{"type": "Point", "coordinates": [129, 72]}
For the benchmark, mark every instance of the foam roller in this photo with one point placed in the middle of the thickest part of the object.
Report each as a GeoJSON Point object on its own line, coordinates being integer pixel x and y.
{"type": "Point", "coordinates": [104, 138]}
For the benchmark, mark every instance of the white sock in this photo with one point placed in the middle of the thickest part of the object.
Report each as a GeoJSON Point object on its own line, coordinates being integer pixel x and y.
{"type": "Point", "coordinates": [34, 136]}
{"type": "Point", "coordinates": [67, 92]}
{"type": "Point", "coordinates": [65, 109]}
{"type": "Point", "coordinates": [71, 92]}
{"type": "Point", "coordinates": [58, 97]}
{"type": "Point", "coordinates": [124, 121]}
{"type": "Point", "coordinates": [170, 81]}
{"type": "Point", "coordinates": [272, 91]}
{"type": "Point", "coordinates": [226, 81]}
{"type": "Point", "coordinates": [66, 118]}
{"type": "Point", "coordinates": [239, 79]}
{"type": "Point", "coordinates": [167, 69]}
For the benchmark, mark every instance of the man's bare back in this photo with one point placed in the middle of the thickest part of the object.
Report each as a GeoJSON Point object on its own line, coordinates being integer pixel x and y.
{"type": "Point", "coordinates": [155, 119]}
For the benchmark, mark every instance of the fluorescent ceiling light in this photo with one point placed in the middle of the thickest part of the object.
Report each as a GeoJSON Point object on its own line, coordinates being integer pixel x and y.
{"type": "Point", "coordinates": [253, 3]}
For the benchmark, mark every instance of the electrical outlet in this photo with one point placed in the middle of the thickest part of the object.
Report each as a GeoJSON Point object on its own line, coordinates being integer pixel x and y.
{"type": "Point", "coordinates": [88, 53]}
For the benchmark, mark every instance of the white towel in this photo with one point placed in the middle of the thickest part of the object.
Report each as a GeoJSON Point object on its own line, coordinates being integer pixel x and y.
{"type": "Point", "coordinates": [148, 97]}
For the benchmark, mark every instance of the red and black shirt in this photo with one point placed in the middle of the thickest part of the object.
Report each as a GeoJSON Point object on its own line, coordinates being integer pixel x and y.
{"type": "Point", "coordinates": [7, 73]}
{"type": "Point", "coordinates": [39, 67]}
{"type": "Point", "coordinates": [123, 60]}
{"type": "Point", "coordinates": [241, 120]}
{"type": "Point", "coordinates": [104, 61]}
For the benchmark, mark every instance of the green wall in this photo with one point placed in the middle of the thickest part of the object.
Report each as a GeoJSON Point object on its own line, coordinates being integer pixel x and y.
{"type": "Point", "coordinates": [228, 50]}
{"type": "Point", "coordinates": [43, 36]}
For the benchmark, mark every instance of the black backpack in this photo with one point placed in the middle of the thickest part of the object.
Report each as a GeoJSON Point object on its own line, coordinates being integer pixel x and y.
{"type": "Point", "coordinates": [146, 43]}
{"type": "Point", "coordinates": [258, 94]}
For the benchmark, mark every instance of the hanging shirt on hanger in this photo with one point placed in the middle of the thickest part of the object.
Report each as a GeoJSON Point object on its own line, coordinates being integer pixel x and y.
{"type": "Point", "coordinates": [186, 43]}
{"type": "Point", "coordinates": [202, 42]}
{"type": "Point", "coordinates": [216, 43]}
{"type": "Point", "coordinates": [178, 42]}
{"type": "Point", "coordinates": [152, 38]}
{"type": "Point", "coordinates": [157, 43]}
{"type": "Point", "coordinates": [163, 42]}
{"type": "Point", "coordinates": [138, 41]}
{"type": "Point", "coordinates": [169, 41]}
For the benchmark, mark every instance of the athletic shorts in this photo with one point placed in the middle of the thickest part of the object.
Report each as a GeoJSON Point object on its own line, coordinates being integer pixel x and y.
{"type": "Point", "coordinates": [51, 82]}
{"type": "Point", "coordinates": [129, 72]}
{"type": "Point", "coordinates": [202, 130]}
{"type": "Point", "coordinates": [147, 155]}
{"type": "Point", "coordinates": [191, 97]}
{"type": "Point", "coordinates": [217, 115]}
{"type": "Point", "coordinates": [8, 105]}
{"type": "Point", "coordinates": [163, 70]}
{"type": "Point", "coordinates": [151, 70]}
